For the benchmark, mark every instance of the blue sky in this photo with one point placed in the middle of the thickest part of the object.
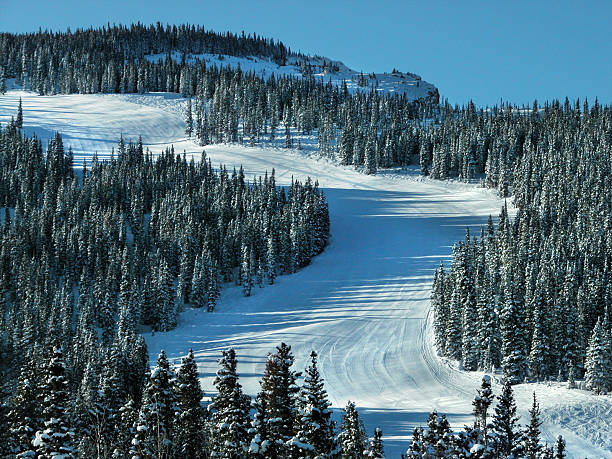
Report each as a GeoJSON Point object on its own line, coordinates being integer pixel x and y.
{"type": "Point", "coordinates": [485, 51]}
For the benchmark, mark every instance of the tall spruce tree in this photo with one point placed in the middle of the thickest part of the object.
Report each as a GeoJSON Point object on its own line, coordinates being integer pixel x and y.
{"type": "Point", "coordinates": [229, 421]}
{"type": "Point", "coordinates": [315, 431]}
{"type": "Point", "coordinates": [505, 428]}
{"type": "Point", "coordinates": [190, 426]}
{"type": "Point", "coordinates": [57, 435]}
{"type": "Point", "coordinates": [279, 389]}
{"type": "Point", "coordinates": [353, 438]}
{"type": "Point", "coordinates": [155, 430]}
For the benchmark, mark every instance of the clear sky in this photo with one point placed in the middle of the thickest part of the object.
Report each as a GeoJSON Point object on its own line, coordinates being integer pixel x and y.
{"type": "Point", "coordinates": [480, 50]}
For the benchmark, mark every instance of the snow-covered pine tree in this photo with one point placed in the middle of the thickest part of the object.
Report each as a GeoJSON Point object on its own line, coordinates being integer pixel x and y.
{"type": "Point", "coordinates": [598, 362]}
{"type": "Point", "coordinates": [258, 432]}
{"type": "Point", "coordinates": [481, 404]}
{"type": "Point", "coordinates": [229, 422]}
{"type": "Point", "coordinates": [505, 429]}
{"type": "Point", "coordinates": [440, 307]}
{"type": "Point", "coordinates": [531, 443]}
{"type": "Point", "coordinates": [315, 431]}
{"type": "Point", "coordinates": [57, 436]}
{"type": "Point", "coordinates": [19, 119]}
{"type": "Point", "coordinates": [353, 439]}
{"type": "Point", "coordinates": [2, 80]}
{"type": "Point", "coordinates": [514, 361]}
{"type": "Point", "coordinates": [189, 120]}
{"type": "Point", "coordinates": [155, 430]}
{"type": "Point", "coordinates": [280, 391]}
{"type": "Point", "coordinates": [376, 448]}
{"type": "Point", "coordinates": [560, 448]}
{"type": "Point", "coordinates": [190, 426]}
{"type": "Point", "coordinates": [25, 416]}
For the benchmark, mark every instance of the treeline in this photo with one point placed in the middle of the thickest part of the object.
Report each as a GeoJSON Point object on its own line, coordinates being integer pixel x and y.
{"type": "Point", "coordinates": [532, 296]}
{"type": "Point", "coordinates": [53, 414]}
{"type": "Point", "coordinates": [25, 55]}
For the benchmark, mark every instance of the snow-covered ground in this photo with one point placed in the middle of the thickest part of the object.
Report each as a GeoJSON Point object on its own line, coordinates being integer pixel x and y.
{"type": "Point", "coordinates": [321, 68]}
{"type": "Point", "coordinates": [362, 305]}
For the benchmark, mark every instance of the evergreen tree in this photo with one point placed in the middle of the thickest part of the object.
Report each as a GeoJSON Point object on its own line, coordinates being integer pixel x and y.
{"type": "Point", "coordinates": [19, 119]}
{"type": "Point", "coordinates": [315, 431]}
{"type": "Point", "coordinates": [505, 429]}
{"type": "Point", "coordinates": [155, 431]}
{"type": "Point", "coordinates": [532, 446]}
{"type": "Point", "coordinates": [353, 439]}
{"type": "Point", "coordinates": [57, 436]}
{"type": "Point", "coordinates": [25, 415]}
{"type": "Point", "coordinates": [2, 80]}
{"type": "Point", "coordinates": [481, 404]}
{"type": "Point", "coordinates": [279, 390]}
{"type": "Point", "coordinates": [513, 346]}
{"type": "Point", "coordinates": [560, 448]}
{"type": "Point", "coordinates": [376, 449]}
{"type": "Point", "coordinates": [190, 426]}
{"type": "Point", "coordinates": [229, 421]}
{"type": "Point", "coordinates": [189, 120]}
{"type": "Point", "coordinates": [598, 362]}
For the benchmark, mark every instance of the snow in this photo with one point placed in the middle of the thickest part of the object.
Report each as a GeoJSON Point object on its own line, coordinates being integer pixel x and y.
{"type": "Point", "coordinates": [363, 304]}
{"type": "Point", "coordinates": [392, 82]}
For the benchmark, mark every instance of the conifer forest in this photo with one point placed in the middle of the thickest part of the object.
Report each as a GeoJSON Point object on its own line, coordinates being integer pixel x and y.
{"type": "Point", "coordinates": [104, 255]}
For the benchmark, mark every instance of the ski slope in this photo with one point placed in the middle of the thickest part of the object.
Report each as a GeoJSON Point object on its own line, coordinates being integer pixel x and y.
{"type": "Point", "coordinates": [362, 304]}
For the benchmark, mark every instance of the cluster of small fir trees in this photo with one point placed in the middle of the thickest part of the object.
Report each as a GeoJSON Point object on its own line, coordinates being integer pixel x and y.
{"type": "Point", "coordinates": [495, 434]}
{"type": "Point", "coordinates": [531, 296]}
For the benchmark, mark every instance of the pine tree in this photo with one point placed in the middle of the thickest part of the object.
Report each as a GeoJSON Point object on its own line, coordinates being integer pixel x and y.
{"type": "Point", "coordinates": [260, 439]}
{"type": "Point", "coordinates": [279, 390]}
{"type": "Point", "coordinates": [19, 119]}
{"type": "Point", "coordinates": [513, 345]}
{"type": "Point", "coordinates": [315, 431]}
{"type": "Point", "coordinates": [481, 404]}
{"type": "Point", "coordinates": [190, 438]}
{"type": "Point", "coordinates": [505, 429]}
{"type": "Point", "coordinates": [2, 80]}
{"type": "Point", "coordinates": [376, 449]}
{"type": "Point", "coordinates": [25, 415]}
{"type": "Point", "coordinates": [155, 429]}
{"type": "Point", "coordinates": [370, 156]}
{"type": "Point", "coordinates": [246, 272]}
{"type": "Point", "coordinates": [229, 421]}
{"type": "Point", "coordinates": [126, 429]}
{"type": "Point", "coordinates": [189, 120]}
{"type": "Point", "coordinates": [353, 439]}
{"type": "Point", "coordinates": [532, 446]}
{"type": "Point", "coordinates": [440, 306]}
{"type": "Point", "coordinates": [598, 362]}
{"type": "Point", "coordinates": [560, 448]}
{"type": "Point", "coordinates": [57, 436]}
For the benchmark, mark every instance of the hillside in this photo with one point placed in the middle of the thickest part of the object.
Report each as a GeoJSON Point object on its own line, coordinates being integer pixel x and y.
{"type": "Point", "coordinates": [363, 304]}
{"type": "Point", "coordinates": [321, 68]}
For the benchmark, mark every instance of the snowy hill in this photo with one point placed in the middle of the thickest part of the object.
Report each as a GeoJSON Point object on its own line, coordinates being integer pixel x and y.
{"type": "Point", "coordinates": [320, 68]}
{"type": "Point", "coordinates": [363, 304]}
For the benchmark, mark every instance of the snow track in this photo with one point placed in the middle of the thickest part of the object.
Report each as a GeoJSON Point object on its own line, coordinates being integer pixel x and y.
{"type": "Point", "coordinates": [362, 304]}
